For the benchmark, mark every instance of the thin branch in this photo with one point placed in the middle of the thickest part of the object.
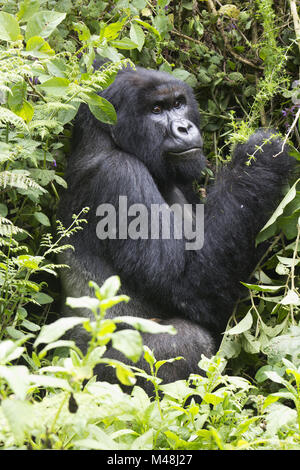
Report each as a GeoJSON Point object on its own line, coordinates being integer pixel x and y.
{"type": "Point", "coordinates": [296, 20]}
{"type": "Point", "coordinates": [213, 10]}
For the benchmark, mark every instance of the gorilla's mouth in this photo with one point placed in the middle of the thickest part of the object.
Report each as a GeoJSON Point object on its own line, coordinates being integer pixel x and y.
{"type": "Point", "coordinates": [186, 153]}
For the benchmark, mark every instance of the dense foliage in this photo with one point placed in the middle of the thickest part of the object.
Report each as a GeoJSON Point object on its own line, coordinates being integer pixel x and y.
{"type": "Point", "coordinates": [242, 59]}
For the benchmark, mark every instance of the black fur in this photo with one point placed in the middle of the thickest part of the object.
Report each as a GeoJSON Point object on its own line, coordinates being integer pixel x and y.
{"type": "Point", "coordinates": [193, 290]}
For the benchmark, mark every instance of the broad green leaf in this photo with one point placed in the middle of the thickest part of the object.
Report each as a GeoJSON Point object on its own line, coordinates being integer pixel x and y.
{"type": "Point", "coordinates": [43, 23]}
{"type": "Point", "coordinates": [47, 381]}
{"type": "Point", "coordinates": [42, 298]}
{"type": "Point", "coordinates": [244, 325]}
{"type": "Point", "coordinates": [29, 325]}
{"type": "Point", "coordinates": [124, 43]}
{"type": "Point", "coordinates": [56, 86]}
{"type": "Point", "coordinates": [17, 378]}
{"type": "Point", "coordinates": [125, 375]}
{"type": "Point", "coordinates": [38, 47]}
{"type": "Point", "coordinates": [42, 219]}
{"type": "Point", "coordinates": [129, 342]}
{"type": "Point", "coordinates": [108, 303]}
{"type": "Point", "coordinates": [148, 27]}
{"type": "Point", "coordinates": [144, 442]}
{"type": "Point", "coordinates": [145, 325]}
{"type": "Point", "coordinates": [17, 96]}
{"type": "Point", "coordinates": [110, 287]}
{"type": "Point", "coordinates": [57, 329]}
{"type": "Point", "coordinates": [102, 109]}
{"type": "Point", "coordinates": [137, 35]}
{"type": "Point", "coordinates": [212, 399]}
{"type": "Point", "coordinates": [9, 27]}
{"type": "Point", "coordinates": [26, 112]}
{"type": "Point", "coordinates": [20, 416]}
{"type": "Point", "coordinates": [27, 9]}
{"type": "Point", "coordinates": [112, 30]}
{"type": "Point", "coordinates": [285, 201]}
{"type": "Point", "coordinates": [83, 302]}
{"type": "Point", "coordinates": [291, 298]}
{"type": "Point", "coordinates": [9, 351]}
{"type": "Point", "coordinates": [28, 261]}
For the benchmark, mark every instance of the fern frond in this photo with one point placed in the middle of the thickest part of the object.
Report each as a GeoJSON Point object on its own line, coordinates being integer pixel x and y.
{"type": "Point", "coordinates": [18, 180]}
{"type": "Point", "coordinates": [7, 228]}
{"type": "Point", "coordinates": [8, 117]}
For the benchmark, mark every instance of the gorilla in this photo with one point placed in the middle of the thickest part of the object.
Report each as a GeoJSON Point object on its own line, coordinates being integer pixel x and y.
{"type": "Point", "coordinates": [152, 157]}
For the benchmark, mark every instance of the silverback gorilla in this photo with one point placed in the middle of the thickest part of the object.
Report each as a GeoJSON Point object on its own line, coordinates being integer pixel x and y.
{"type": "Point", "coordinates": [152, 156]}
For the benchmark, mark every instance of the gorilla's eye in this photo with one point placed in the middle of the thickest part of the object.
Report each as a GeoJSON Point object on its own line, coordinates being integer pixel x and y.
{"type": "Point", "coordinates": [178, 103]}
{"type": "Point", "coordinates": [157, 109]}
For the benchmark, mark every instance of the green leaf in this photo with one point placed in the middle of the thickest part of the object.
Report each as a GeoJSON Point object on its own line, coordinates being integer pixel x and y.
{"type": "Point", "coordinates": [56, 86]}
{"type": "Point", "coordinates": [57, 329]}
{"type": "Point", "coordinates": [9, 27]}
{"type": "Point", "coordinates": [129, 342]}
{"type": "Point", "coordinates": [262, 288]}
{"type": "Point", "coordinates": [38, 47]}
{"type": "Point", "coordinates": [110, 287]}
{"type": "Point", "coordinates": [47, 381]}
{"type": "Point", "coordinates": [17, 378]}
{"type": "Point", "coordinates": [291, 298]}
{"type": "Point", "coordinates": [19, 415]}
{"type": "Point", "coordinates": [17, 96]}
{"type": "Point", "coordinates": [42, 218]}
{"type": "Point", "coordinates": [27, 9]}
{"type": "Point", "coordinates": [148, 27]}
{"type": "Point", "coordinates": [212, 399]}
{"type": "Point", "coordinates": [124, 43]}
{"type": "Point", "coordinates": [137, 35]}
{"type": "Point", "coordinates": [26, 112]}
{"type": "Point", "coordinates": [83, 302]}
{"type": "Point", "coordinates": [125, 375]}
{"type": "Point", "coordinates": [28, 261]}
{"type": "Point", "coordinates": [112, 30]}
{"type": "Point", "coordinates": [244, 325]}
{"type": "Point", "coordinates": [42, 298]}
{"type": "Point", "coordinates": [145, 325]}
{"type": "Point", "coordinates": [102, 109]}
{"type": "Point", "coordinates": [291, 194]}
{"type": "Point", "coordinates": [43, 23]}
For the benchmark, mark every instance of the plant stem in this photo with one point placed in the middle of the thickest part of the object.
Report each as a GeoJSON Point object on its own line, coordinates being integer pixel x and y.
{"type": "Point", "coordinates": [296, 20]}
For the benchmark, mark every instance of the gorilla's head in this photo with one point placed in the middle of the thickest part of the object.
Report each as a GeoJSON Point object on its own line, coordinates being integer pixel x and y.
{"type": "Point", "coordinates": [158, 122]}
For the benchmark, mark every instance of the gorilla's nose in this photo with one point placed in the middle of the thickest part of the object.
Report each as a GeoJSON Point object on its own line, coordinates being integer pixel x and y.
{"type": "Point", "coordinates": [186, 131]}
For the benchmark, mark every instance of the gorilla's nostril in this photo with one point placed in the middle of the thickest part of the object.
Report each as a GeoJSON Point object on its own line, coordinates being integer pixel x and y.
{"type": "Point", "coordinates": [184, 130]}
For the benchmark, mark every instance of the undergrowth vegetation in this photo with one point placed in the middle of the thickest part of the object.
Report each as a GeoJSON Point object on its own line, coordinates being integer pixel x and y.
{"type": "Point", "coordinates": [242, 60]}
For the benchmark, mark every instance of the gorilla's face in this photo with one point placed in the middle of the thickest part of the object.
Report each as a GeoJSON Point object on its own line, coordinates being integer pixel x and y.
{"type": "Point", "coordinates": [158, 121]}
